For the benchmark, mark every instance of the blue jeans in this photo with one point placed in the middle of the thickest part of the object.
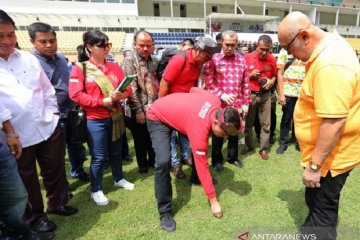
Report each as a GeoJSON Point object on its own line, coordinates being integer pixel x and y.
{"type": "Point", "coordinates": [102, 148]}
{"type": "Point", "coordinates": [13, 195]}
{"type": "Point", "coordinates": [184, 148]}
{"type": "Point", "coordinates": [76, 152]}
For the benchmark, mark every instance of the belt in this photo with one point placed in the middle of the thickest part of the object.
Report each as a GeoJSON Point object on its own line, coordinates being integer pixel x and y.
{"type": "Point", "coordinates": [260, 92]}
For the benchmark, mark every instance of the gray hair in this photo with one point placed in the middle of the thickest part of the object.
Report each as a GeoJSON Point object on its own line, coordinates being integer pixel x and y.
{"type": "Point", "coordinates": [229, 33]}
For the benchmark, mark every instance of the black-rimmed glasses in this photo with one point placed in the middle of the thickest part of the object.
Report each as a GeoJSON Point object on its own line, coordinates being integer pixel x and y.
{"type": "Point", "coordinates": [292, 40]}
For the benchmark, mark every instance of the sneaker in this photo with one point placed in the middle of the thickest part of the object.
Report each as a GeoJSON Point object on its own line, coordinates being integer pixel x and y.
{"type": "Point", "coordinates": [167, 222]}
{"type": "Point", "coordinates": [281, 149]}
{"type": "Point", "coordinates": [124, 184]}
{"type": "Point", "coordinates": [99, 198]}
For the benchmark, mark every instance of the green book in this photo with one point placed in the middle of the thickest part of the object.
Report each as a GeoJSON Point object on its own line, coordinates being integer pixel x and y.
{"type": "Point", "coordinates": [125, 82]}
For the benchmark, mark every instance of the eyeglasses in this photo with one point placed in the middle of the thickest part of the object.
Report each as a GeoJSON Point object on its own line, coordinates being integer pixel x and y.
{"type": "Point", "coordinates": [292, 40]}
{"type": "Point", "coordinates": [104, 45]}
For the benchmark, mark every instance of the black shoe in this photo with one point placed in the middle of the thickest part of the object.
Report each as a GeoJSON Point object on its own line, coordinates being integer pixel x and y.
{"type": "Point", "coordinates": [281, 149]}
{"type": "Point", "coordinates": [218, 167]}
{"type": "Point", "coordinates": [237, 163]}
{"type": "Point", "coordinates": [246, 150]}
{"type": "Point", "coordinates": [272, 139]}
{"type": "Point", "coordinates": [83, 177]}
{"type": "Point", "coordinates": [297, 146]}
{"type": "Point", "coordinates": [70, 195]}
{"type": "Point", "coordinates": [127, 158]}
{"type": "Point", "coordinates": [44, 225]}
{"type": "Point", "coordinates": [41, 236]}
{"type": "Point", "coordinates": [167, 222]}
{"type": "Point", "coordinates": [197, 182]}
{"type": "Point", "coordinates": [143, 170]}
{"type": "Point", "coordinates": [63, 211]}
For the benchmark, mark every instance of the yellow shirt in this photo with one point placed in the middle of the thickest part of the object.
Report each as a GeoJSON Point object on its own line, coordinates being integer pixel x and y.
{"type": "Point", "coordinates": [331, 89]}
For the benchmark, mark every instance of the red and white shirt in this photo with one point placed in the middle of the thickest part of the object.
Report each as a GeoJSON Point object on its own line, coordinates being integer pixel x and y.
{"type": "Point", "coordinates": [230, 76]}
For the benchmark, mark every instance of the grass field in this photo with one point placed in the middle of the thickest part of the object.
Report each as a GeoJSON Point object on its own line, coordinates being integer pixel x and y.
{"type": "Point", "coordinates": [263, 196]}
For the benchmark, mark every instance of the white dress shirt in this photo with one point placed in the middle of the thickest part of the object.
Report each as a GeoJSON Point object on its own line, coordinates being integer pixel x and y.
{"type": "Point", "coordinates": [27, 92]}
{"type": "Point", "coordinates": [5, 114]}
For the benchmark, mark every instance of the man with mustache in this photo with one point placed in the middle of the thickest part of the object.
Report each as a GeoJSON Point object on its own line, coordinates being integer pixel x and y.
{"type": "Point", "coordinates": [226, 77]}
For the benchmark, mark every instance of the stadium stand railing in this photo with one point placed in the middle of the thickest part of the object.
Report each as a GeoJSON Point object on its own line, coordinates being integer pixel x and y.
{"type": "Point", "coordinates": [173, 39]}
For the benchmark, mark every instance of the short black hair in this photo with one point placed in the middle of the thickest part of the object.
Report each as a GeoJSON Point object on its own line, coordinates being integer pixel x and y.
{"type": "Point", "coordinates": [265, 39]}
{"type": "Point", "coordinates": [145, 32]}
{"type": "Point", "coordinates": [39, 27]}
{"type": "Point", "coordinates": [188, 40]}
{"type": "Point", "coordinates": [5, 18]}
{"type": "Point", "coordinates": [218, 36]}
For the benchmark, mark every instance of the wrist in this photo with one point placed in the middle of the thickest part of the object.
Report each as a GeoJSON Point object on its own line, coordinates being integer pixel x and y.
{"type": "Point", "coordinates": [314, 166]}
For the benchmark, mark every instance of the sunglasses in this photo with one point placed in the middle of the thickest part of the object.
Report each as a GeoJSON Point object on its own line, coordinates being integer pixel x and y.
{"type": "Point", "coordinates": [104, 45]}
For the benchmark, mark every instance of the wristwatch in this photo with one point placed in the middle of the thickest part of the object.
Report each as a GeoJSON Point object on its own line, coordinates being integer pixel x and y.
{"type": "Point", "coordinates": [314, 167]}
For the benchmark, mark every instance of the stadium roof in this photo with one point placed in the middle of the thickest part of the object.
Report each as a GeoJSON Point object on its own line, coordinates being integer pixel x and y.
{"type": "Point", "coordinates": [243, 17]}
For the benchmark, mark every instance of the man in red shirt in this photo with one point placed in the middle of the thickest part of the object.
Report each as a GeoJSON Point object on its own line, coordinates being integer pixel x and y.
{"type": "Point", "coordinates": [181, 74]}
{"type": "Point", "coordinates": [262, 73]}
{"type": "Point", "coordinates": [194, 114]}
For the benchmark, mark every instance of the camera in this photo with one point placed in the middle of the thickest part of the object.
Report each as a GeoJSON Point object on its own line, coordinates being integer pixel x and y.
{"type": "Point", "coordinates": [262, 82]}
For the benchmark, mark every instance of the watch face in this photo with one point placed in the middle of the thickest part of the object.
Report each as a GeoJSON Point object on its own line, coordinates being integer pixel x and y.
{"type": "Point", "coordinates": [314, 167]}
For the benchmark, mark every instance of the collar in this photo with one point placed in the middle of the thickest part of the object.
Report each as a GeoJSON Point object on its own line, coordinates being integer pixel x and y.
{"type": "Point", "coordinates": [43, 57]}
{"type": "Point", "coordinates": [139, 58]}
{"type": "Point", "coordinates": [15, 52]}
{"type": "Point", "coordinates": [323, 44]}
{"type": "Point", "coordinates": [222, 55]}
{"type": "Point", "coordinates": [102, 68]}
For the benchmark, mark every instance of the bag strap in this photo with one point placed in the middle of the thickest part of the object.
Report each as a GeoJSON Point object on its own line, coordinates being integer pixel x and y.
{"type": "Point", "coordinates": [289, 63]}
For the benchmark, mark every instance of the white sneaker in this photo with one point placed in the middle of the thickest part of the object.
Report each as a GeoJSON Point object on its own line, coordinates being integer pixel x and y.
{"type": "Point", "coordinates": [99, 198]}
{"type": "Point", "coordinates": [124, 184]}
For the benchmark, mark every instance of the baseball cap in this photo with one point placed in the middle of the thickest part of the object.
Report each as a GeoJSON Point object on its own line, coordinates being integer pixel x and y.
{"type": "Point", "coordinates": [206, 44]}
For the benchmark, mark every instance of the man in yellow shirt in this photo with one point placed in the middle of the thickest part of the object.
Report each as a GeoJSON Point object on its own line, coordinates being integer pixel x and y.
{"type": "Point", "coordinates": [326, 118]}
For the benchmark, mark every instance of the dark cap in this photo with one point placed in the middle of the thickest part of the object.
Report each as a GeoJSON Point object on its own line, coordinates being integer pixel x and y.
{"type": "Point", "coordinates": [228, 127]}
{"type": "Point", "coordinates": [206, 44]}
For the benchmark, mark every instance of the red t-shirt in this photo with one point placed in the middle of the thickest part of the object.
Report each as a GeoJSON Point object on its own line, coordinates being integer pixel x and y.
{"type": "Point", "coordinates": [192, 114]}
{"type": "Point", "coordinates": [88, 94]}
{"type": "Point", "coordinates": [268, 66]}
{"type": "Point", "coordinates": [182, 77]}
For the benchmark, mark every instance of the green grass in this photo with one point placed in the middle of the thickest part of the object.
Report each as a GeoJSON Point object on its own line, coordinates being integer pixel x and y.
{"type": "Point", "coordinates": [267, 195]}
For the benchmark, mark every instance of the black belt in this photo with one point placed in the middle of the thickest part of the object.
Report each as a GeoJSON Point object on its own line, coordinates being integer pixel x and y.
{"type": "Point", "coordinates": [260, 92]}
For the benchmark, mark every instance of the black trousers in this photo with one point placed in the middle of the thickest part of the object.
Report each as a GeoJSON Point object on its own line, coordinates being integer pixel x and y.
{"type": "Point", "coordinates": [160, 136]}
{"type": "Point", "coordinates": [287, 120]}
{"type": "Point", "coordinates": [323, 204]}
{"type": "Point", "coordinates": [144, 151]}
{"type": "Point", "coordinates": [232, 149]}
